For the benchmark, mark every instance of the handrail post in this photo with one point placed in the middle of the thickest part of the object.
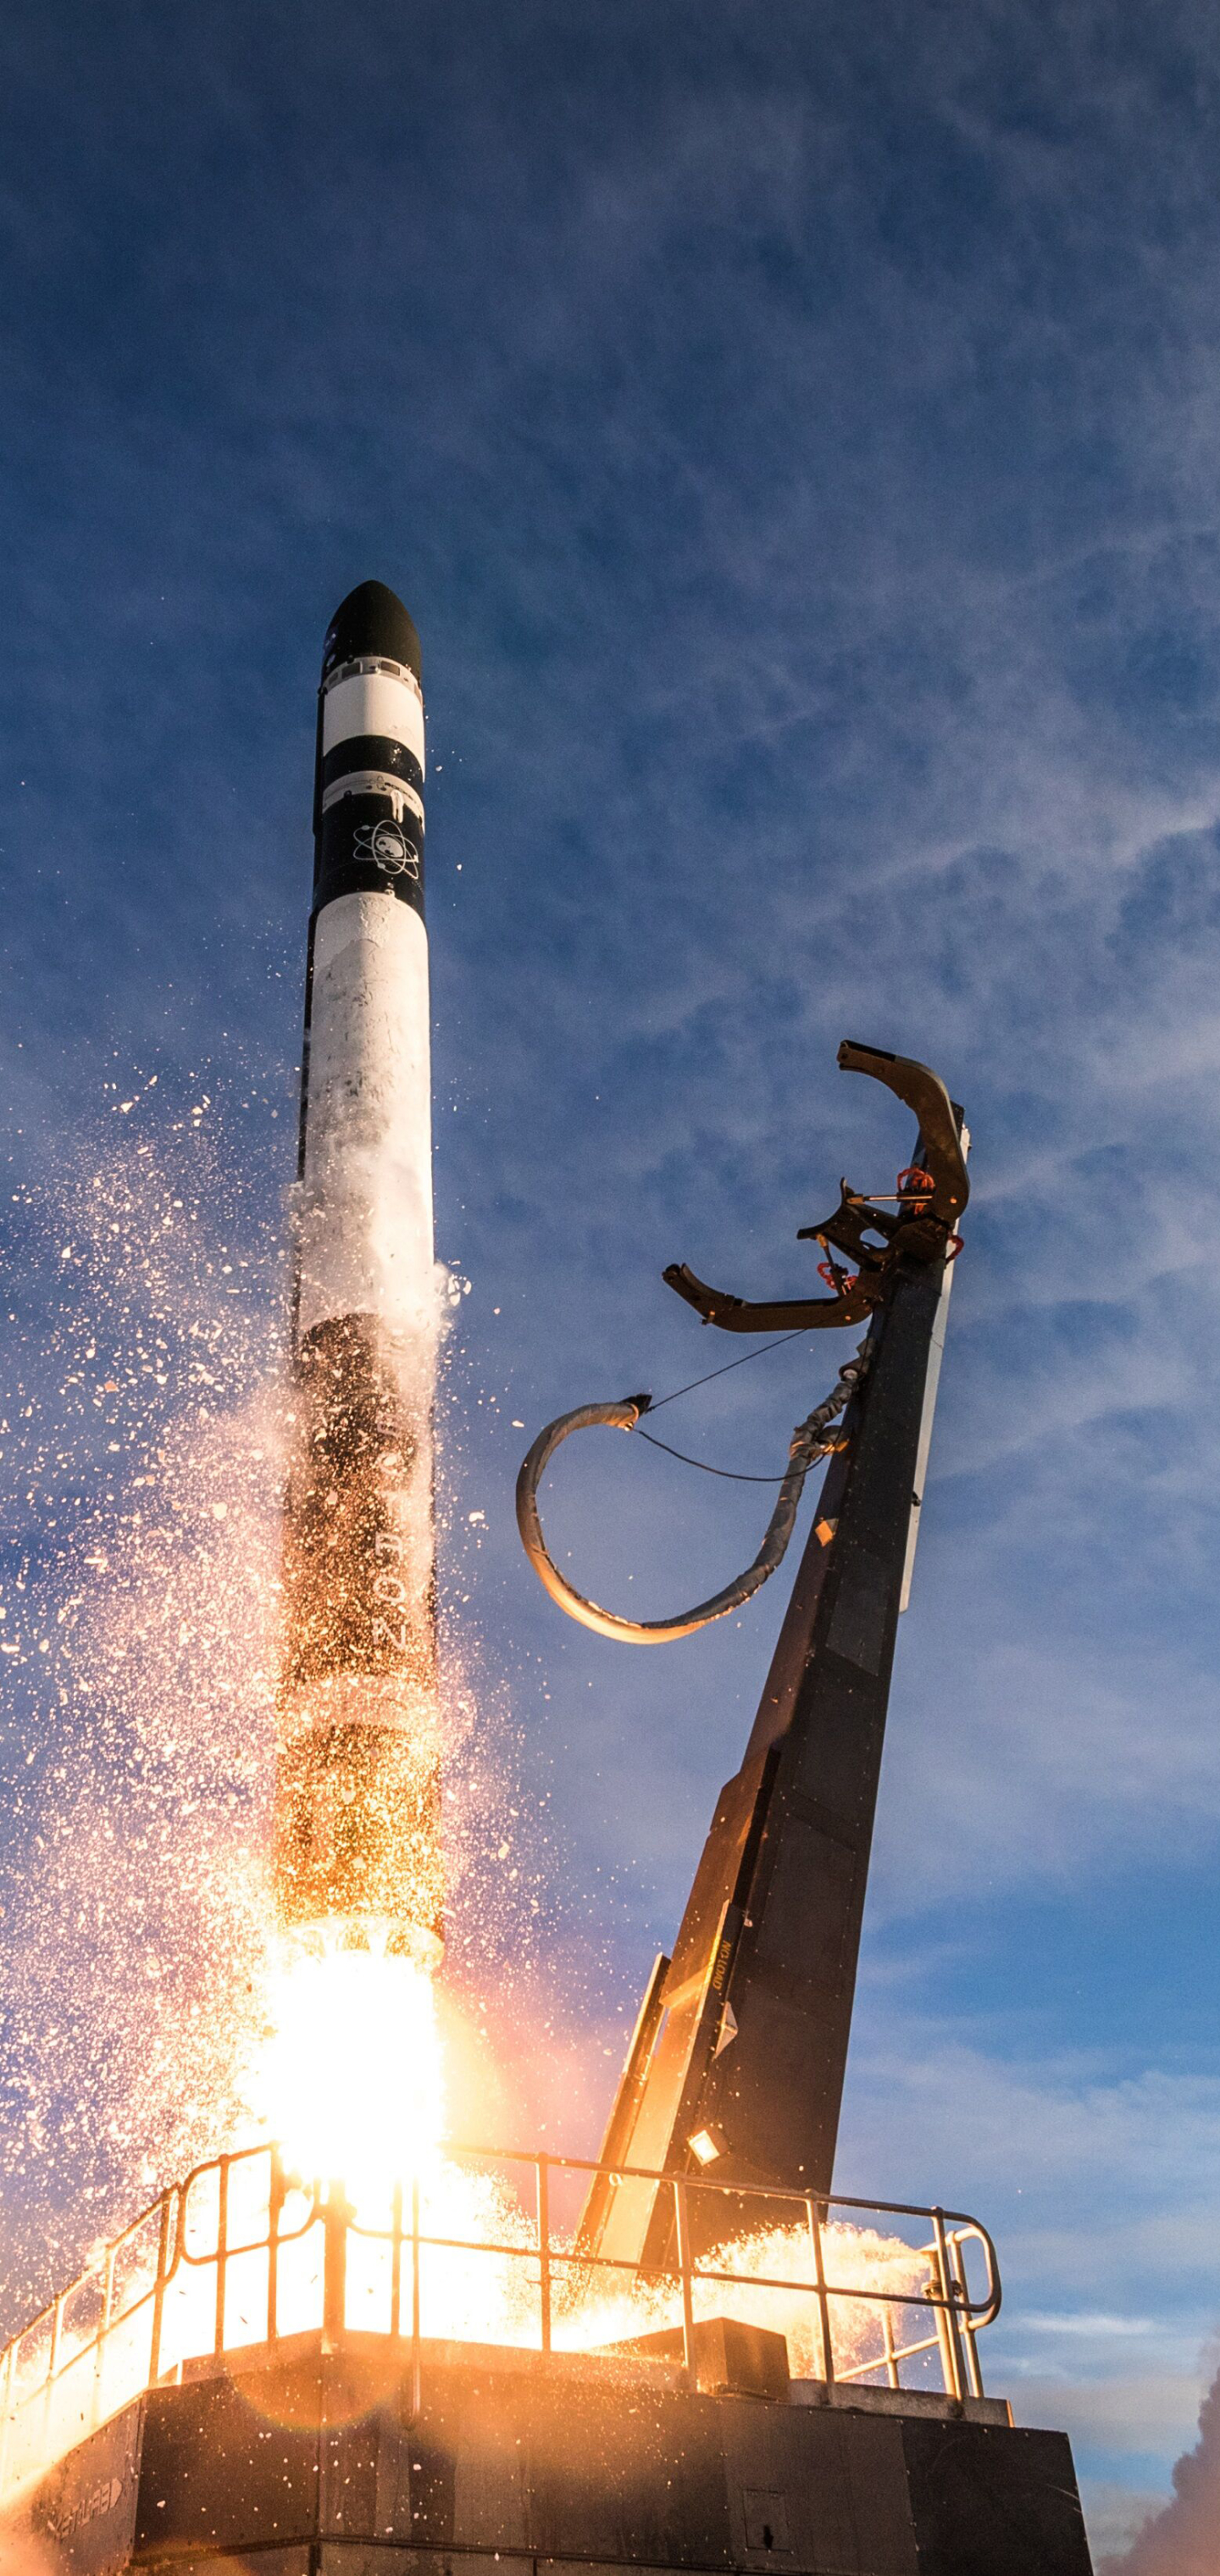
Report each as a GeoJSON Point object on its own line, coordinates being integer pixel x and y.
{"type": "Point", "coordinates": [974, 2376]}
{"type": "Point", "coordinates": [416, 2353]}
{"type": "Point", "coordinates": [334, 2264]}
{"type": "Point", "coordinates": [542, 2179]}
{"type": "Point", "coordinates": [682, 2227]}
{"type": "Point", "coordinates": [816, 2215]}
{"type": "Point", "coordinates": [57, 2318]}
{"type": "Point", "coordinates": [396, 2261]}
{"type": "Point", "coordinates": [275, 2211]}
{"type": "Point", "coordinates": [154, 2349]}
{"type": "Point", "coordinates": [222, 2250]}
{"type": "Point", "coordinates": [947, 2327]}
{"type": "Point", "coordinates": [887, 2345]}
{"type": "Point", "coordinates": [99, 2348]}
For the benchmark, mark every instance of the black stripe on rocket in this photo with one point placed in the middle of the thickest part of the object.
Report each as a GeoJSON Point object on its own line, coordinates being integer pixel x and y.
{"type": "Point", "coordinates": [371, 751]}
{"type": "Point", "coordinates": [369, 844]}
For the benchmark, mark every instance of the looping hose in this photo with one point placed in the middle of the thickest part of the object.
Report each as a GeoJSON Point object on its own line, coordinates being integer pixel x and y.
{"type": "Point", "coordinates": [808, 1444]}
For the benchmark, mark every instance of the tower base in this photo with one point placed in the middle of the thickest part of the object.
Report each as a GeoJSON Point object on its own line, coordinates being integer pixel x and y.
{"type": "Point", "coordinates": [307, 2460]}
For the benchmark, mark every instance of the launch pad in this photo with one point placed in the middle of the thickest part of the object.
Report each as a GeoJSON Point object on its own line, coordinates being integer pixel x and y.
{"type": "Point", "coordinates": [584, 2466]}
{"type": "Point", "coordinates": [360, 2450]}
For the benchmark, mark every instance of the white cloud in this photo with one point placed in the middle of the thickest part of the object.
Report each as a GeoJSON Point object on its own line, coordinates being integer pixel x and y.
{"type": "Point", "coordinates": [1146, 2412]}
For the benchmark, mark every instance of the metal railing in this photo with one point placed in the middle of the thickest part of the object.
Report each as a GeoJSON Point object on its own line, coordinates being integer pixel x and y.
{"type": "Point", "coordinates": [243, 2253]}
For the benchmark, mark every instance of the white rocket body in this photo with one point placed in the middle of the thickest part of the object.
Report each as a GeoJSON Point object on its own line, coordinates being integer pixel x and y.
{"type": "Point", "coordinates": [358, 1827]}
{"type": "Point", "coordinates": [365, 1242]}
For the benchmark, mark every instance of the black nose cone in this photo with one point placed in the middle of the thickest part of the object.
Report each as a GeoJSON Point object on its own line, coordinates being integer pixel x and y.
{"type": "Point", "coordinates": [371, 621]}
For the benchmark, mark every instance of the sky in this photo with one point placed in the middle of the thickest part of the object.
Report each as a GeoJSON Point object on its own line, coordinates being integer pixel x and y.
{"type": "Point", "coordinates": [793, 433]}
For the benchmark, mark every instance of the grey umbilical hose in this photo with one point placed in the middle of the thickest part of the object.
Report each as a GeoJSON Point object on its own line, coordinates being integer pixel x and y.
{"type": "Point", "coordinates": [807, 1445]}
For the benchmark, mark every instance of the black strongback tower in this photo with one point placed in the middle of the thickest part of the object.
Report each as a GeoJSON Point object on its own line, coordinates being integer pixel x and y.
{"type": "Point", "coordinates": [738, 2060]}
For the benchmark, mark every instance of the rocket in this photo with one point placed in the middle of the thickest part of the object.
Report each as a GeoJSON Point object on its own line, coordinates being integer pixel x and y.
{"type": "Point", "coordinates": [357, 1848]}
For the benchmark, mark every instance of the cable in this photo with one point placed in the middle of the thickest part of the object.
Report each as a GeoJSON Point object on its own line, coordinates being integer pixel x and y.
{"type": "Point", "coordinates": [759, 1354]}
{"type": "Point", "coordinates": [807, 1444]}
{"type": "Point", "coordinates": [734, 1474]}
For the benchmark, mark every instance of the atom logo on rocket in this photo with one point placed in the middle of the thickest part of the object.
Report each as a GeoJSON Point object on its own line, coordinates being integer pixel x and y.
{"type": "Point", "coordinates": [388, 848]}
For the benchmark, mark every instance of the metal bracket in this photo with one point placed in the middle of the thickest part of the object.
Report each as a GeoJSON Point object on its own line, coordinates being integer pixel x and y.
{"type": "Point", "coordinates": [919, 1229]}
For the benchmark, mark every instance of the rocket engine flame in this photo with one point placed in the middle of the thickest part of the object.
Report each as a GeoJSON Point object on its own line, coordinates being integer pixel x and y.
{"type": "Point", "coordinates": [351, 2081]}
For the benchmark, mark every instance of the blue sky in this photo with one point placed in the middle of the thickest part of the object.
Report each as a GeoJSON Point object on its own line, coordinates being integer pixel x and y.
{"type": "Point", "coordinates": [794, 435]}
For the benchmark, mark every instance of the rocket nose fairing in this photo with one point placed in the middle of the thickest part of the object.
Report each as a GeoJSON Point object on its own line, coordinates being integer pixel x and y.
{"type": "Point", "coordinates": [357, 1825]}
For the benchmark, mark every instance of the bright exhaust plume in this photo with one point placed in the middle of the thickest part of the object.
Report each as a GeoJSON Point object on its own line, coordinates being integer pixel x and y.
{"type": "Point", "coordinates": [350, 2081]}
